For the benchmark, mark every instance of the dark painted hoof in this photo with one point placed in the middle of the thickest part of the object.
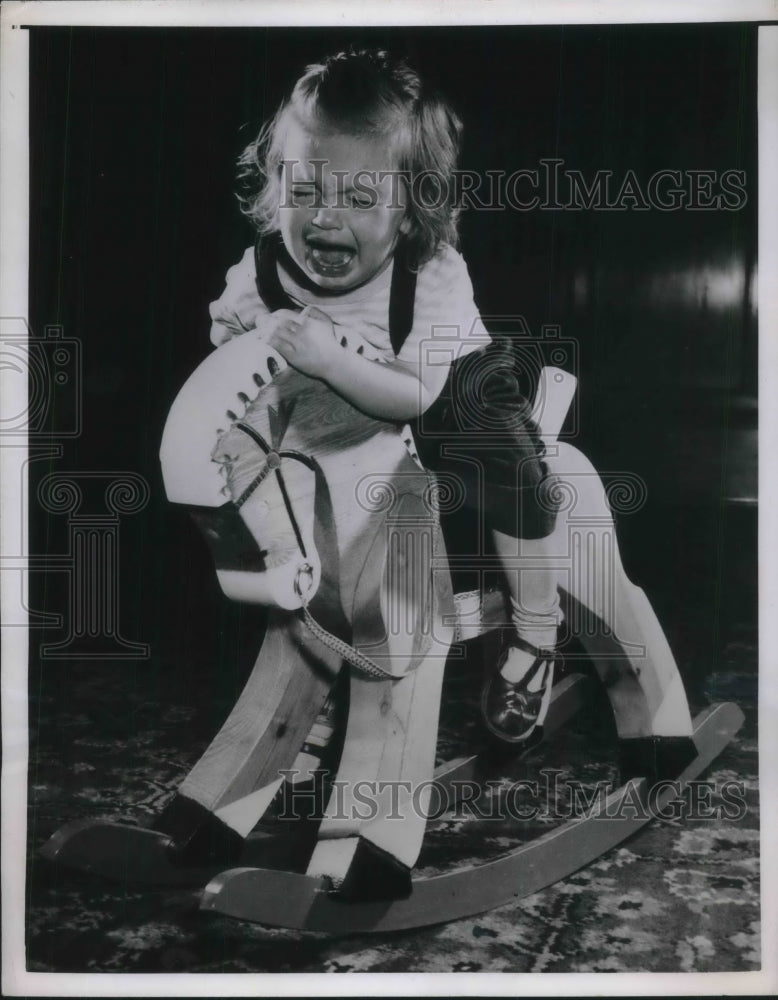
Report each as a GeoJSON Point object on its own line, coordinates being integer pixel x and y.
{"type": "Point", "coordinates": [374, 875]}
{"type": "Point", "coordinates": [655, 758]}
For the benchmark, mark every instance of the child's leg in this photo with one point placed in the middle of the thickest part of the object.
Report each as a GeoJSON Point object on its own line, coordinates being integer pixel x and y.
{"type": "Point", "coordinates": [515, 494]}
{"type": "Point", "coordinates": [534, 599]}
{"type": "Point", "coordinates": [517, 693]}
{"type": "Point", "coordinates": [522, 513]}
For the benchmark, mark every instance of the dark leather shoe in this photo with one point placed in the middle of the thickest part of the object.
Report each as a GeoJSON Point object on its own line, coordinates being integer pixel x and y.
{"type": "Point", "coordinates": [510, 712]}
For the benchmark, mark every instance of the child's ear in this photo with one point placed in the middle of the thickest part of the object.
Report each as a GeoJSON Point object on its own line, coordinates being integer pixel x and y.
{"type": "Point", "coordinates": [405, 225]}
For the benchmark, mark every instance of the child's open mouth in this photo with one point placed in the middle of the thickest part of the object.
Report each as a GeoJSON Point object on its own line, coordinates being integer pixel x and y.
{"type": "Point", "coordinates": [328, 259]}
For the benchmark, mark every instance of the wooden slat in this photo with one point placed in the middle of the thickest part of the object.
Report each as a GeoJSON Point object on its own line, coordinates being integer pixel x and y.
{"type": "Point", "coordinates": [610, 615]}
{"type": "Point", "coordinates": [392, 727]}
{"type": "Point", "coordinates": [272, 717]}
{"type": "Point", "coordinates": [391, 738]}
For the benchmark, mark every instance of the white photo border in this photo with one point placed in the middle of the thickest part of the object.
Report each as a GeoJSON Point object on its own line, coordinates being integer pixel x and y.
{"type": "Point", "coordinates": [13, 302]}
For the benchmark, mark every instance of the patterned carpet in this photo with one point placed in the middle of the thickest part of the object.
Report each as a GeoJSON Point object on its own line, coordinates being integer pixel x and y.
{"type": "Point", "coordinates": [114, 740]}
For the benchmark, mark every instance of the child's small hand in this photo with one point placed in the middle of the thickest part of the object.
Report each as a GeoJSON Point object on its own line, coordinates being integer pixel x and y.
{"type": "Point", "coordinates": [306, 340]}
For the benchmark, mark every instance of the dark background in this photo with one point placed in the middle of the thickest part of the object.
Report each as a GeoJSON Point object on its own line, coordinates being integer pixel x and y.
{"type": "Point", "coordinates": [133, 224]}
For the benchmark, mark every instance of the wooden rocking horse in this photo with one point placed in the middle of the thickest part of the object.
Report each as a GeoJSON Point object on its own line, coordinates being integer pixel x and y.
{"type": "Point", "coordinates": [324, 513]}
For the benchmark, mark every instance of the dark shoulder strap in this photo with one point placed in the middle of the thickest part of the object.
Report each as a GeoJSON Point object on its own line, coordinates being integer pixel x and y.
{"type": "Point", "coordinates": [402, 293]}
{"type": "Point", "coordinates": [269, 286]}
{"type": "Point", "coordinates": [402, 296]}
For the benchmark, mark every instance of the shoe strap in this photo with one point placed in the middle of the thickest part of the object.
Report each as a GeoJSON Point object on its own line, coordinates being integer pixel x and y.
{"type": "Point", "coordinates": [539, 652]}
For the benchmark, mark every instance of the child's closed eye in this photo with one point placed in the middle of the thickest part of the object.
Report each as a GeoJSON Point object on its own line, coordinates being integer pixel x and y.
{"type": "Point", "coordinates": [362, 200]}
{"type": "Point", "coordinates": [303, 194]}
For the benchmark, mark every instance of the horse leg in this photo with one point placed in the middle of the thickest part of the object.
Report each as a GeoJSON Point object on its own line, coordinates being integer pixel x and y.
{"type": "Point", "coordinates": [617, 626]}
{"type": "Point", "coordinates": [231, 786]}
{"type": "Point", "coordinates": [374, 825]}
{"type": "Point", "coordinates": [371, 835]}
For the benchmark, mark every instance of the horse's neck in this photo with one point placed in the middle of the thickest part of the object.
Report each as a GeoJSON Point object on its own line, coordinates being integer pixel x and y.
{"type": "Point", "coordinates": [298, 413]}
{"type": "Point", "coordinates": [247, 380]}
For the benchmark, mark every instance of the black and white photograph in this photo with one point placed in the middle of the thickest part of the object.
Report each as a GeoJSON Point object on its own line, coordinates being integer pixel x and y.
{"type": "Point", "coordinates": [385, 546]}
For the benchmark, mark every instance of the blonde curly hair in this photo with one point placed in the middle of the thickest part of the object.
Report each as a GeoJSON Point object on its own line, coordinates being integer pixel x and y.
{"type": "Point", "coordinates": [366, 92]}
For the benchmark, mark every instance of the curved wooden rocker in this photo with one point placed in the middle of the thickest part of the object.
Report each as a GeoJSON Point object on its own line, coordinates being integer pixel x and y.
{"type": "Point", "coordinates": [375, 564]}
{"type": "Point", "coordinates": [284, 899]}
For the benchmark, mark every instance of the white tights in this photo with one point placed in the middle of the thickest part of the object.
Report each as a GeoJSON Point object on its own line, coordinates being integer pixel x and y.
{"type": "Point", "coordinates": [536, 613]}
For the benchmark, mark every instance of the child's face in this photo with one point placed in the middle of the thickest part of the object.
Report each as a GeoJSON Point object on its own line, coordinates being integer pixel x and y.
{"type": "Point", "coordinates": [340, 220]}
